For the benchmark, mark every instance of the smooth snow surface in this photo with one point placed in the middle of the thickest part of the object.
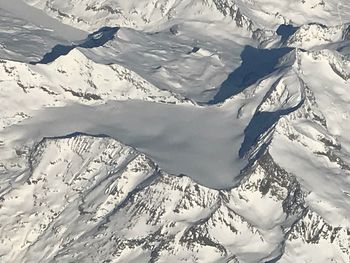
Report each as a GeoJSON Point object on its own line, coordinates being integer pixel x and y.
{"type": "Point", "coordinates": [28, 33]}
{"type": "Point", "coordinates": [199, 142]}
{"type": "Point", "coordinates": [40, 19]}
{"type": "Point", "coordinates": [175, 131]}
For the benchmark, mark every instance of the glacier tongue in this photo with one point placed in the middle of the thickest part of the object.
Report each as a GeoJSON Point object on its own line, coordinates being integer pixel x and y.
{"type": "Point", "coordinates": [165, 132]}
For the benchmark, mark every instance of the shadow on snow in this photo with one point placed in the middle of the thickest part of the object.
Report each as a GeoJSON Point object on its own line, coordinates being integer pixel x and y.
{"type": "Point", "coordinates": [259, 124]}
{"type": "Point", "coordinates": [96, 39]}
{"type": "Point", "coordinates": [256, 64]}
{"type": "Point", "coordinates": [285, 31]}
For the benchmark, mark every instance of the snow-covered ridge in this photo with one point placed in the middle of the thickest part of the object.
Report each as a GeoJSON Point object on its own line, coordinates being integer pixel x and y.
{"type": "Point", "coordinates": [250, 14]}
{"type": "Point", "coordinates": [70, 79]}
{"type": "Point", "coordinates": [105, 183]}
{"type": "Point", "coordinates": [240, 110]}
{"type": "Point", "coordinates": [139, 14]}
{"type": "Point", "coordinates": [316, 35]}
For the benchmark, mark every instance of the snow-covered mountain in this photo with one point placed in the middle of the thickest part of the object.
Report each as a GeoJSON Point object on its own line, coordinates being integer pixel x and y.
{"type": "Point", "coordinates": [174, 131]}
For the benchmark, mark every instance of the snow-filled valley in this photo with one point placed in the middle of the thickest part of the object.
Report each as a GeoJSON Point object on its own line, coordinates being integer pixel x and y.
{"type": "Point", "coordinates": [174, 131]}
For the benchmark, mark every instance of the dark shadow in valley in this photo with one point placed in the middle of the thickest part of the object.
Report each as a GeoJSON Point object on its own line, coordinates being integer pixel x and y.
{"type": "Point", "coordinates": [76, 134]}
{"type": "Point", "coordinates": [285, 31]}
{"type": "Point", "coordinates": [259, 124]}
{"type": "Point", "coordinates": [194, 50]}
{"type": "Point", "coordinates": [256, 64]}
{"type": "Point", "coordinates": [96, 39]}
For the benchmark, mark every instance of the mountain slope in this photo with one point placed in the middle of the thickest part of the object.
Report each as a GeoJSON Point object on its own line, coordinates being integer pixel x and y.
{"type": "Point", "coordinates": [235, 113]}
{"type": "Point", "coordinates": [154, 215]}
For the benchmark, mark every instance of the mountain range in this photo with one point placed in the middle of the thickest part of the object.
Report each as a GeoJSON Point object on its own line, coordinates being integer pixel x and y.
{"type": "Point", "coordinates": [175, 131]}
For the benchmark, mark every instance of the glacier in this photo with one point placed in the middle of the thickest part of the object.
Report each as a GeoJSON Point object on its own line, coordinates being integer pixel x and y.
{"type": "Point", "coordinates": [174, 131]}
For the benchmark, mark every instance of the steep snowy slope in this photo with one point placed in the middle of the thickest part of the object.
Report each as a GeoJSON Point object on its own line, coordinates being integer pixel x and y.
{"type": "Point", "coordinates": [250, 14]}
{"type": "Point", "coordinates": [82, 192]}
{"type": "Point", "coordinates": [27, 33]}
{"type": "Point", "coordinates": [69, 80]}
{"type": "Point", "coordinates": [140, 14]}
{"type": "Point", "coordinates": [236, 116]}
{"type": "Point", "coordinates": [192, 67]}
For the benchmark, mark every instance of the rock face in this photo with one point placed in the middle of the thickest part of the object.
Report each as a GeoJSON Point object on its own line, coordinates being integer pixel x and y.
{"type": "Point", "coordinates": [191, 78]}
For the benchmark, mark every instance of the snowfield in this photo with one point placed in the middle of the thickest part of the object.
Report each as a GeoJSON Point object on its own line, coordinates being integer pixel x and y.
{"type": "Point", "coordinates": [175, 131]}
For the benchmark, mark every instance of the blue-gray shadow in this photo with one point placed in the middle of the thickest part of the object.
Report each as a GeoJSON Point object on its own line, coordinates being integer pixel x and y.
{"type": "Point", "coordinates": [96, 39]}
{"type": "Point", "coordinates": [285, 31]}
{"type": "Point", "coordinates": [259, 124]}
{"type": "Point", "coordinates": [256, 64]}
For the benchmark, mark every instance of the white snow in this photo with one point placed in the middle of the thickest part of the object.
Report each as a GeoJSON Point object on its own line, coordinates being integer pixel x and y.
{"type": "Point", "coordinates": [40, 19]}
{"type": "Point", "coordinates": [275, 142]}
{"type": "Point", "coordinates": [202, 143]}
